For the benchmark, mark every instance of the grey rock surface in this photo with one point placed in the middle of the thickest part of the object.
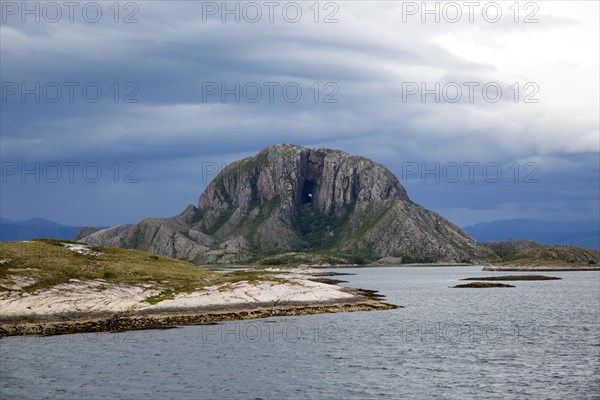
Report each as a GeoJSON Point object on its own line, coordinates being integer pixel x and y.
{"type": "Point", "coordinates": [291, 198]}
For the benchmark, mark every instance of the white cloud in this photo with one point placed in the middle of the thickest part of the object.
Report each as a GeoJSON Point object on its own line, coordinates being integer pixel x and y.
{"type": "Point", "coordinates": [370, 53]}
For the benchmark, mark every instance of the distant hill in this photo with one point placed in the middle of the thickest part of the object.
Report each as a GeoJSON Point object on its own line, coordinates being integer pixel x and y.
{"type": "Point", "coordinates": [34, 228]}
{"type": "Point", "coordinates": [512, 246]}
{"type": "Point", "coordinates": [552, 258]}
{"type": "Point", "coordinates": [576, 233]}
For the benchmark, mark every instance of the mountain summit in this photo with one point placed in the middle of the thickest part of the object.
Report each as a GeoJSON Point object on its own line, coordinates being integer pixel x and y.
{"type": "Point", "coordinates": [289, 198]}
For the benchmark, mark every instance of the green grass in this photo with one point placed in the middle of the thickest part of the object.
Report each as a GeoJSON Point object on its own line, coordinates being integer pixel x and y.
{"type": "Point", "coordinates": [293, 259]}
{"type": "Point", "coordinates": [320, 230]}
{"type": "Point", "coordinates": [50, 263]}
{"type": "Point", "coordinates": [253, 276]}
{"type": "Point", "coordinates": [164, 295]}
{"type": "Point", "coordinates": [553, 256]}
{"type": "Point", "coordinates": [221, 220]}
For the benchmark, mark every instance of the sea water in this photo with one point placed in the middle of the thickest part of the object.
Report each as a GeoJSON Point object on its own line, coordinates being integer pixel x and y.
{"type": "Point", "coordinates": [540, 339]}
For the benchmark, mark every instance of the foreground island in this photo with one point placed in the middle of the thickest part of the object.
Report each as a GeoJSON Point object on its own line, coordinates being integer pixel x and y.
{"type": "Point", "coordinates": [53, 287]}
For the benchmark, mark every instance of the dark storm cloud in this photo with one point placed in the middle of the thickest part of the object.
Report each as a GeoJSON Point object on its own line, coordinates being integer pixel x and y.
{"type": "Point", "coordinates": [173, 134]}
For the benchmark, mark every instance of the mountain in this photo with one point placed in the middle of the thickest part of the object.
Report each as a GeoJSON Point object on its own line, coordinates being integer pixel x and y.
{"type": "Point", "coordinates": [580, 233]}
{"type": "Point", "coordinates": [40, 222]}
{"type": "Point", "coordinates": [34, 228]}
{"type": "Point", "coordinates": [289, 198]}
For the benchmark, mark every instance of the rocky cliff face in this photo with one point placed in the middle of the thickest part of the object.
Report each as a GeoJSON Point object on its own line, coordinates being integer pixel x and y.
{"type": "Point", "coordinates": [290, 198]}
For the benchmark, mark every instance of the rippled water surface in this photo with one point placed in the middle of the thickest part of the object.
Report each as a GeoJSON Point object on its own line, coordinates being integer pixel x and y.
{"type": "Point", "coordinates": [538, 340]}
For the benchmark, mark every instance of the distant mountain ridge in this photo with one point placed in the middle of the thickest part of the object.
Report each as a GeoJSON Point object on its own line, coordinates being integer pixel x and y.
{"type": "Point", "coordinates": [576, 233]}
{"type": "Point", "coordinates": [289, 198]}
{"type": "Point", "coordinates": [34, 228]}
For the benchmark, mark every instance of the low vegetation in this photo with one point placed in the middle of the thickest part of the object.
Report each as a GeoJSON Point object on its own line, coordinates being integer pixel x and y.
{"type": "Point", "coordinates": [320, 230]}
{"type": "Point", "coordinates": [553, 256]}
{"type": "Point", "coordinates": [504, 248]}
{"type": "Point", "coordinates": [43, 263]}
{"type": "Point", "coordinates": [164, 295]}
{"type": "Point", "coordinates": [312, 258]}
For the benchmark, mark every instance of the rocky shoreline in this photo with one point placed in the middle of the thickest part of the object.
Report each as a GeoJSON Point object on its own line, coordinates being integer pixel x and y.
{"type": "Point", "coordinates": [483, 285]}
{"type": "Point", "coordinates": [93, 306]}
{"type": "Point", "coordinates": [121, 322]}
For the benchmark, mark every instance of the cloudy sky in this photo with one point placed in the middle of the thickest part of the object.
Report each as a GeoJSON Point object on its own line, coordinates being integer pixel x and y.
{"type": "Point", "coordinates": [112, 114]}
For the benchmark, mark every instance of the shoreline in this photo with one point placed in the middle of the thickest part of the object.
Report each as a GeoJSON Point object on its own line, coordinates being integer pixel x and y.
{"type": "Point", "coordinates": [95, 306]}
{"type": "Point", "coordinates": [166, 320]}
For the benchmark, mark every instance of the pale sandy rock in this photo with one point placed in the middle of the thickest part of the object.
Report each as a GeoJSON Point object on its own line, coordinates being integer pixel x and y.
{"type": "Point", "coordinates": [99, 297]}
